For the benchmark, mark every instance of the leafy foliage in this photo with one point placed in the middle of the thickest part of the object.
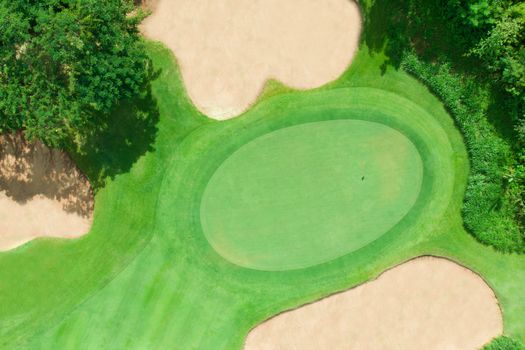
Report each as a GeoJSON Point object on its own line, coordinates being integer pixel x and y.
{"type": "Point", "coordinates": [502, 50]}
{"type": "Point", "coordinates": [496, 38]}
{"type": "Point", "coordinates": [64, 64]}
{"type": "Point", "coordinates": [504, 343]}
{"type": "Point", "coordinates": [471, 54]}
{"type": "Point", "coordinates": [487, 212]}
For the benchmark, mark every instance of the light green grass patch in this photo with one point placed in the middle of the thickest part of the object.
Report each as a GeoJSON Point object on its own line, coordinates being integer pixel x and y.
{"type": "Point", "coordinates": [309, 193]}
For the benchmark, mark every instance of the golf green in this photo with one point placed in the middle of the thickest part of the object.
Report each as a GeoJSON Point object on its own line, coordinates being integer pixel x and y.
{"type": "Point", "coordinates": [309, 193]}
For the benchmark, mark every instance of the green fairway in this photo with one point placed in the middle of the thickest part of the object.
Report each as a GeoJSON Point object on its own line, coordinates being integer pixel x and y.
{"type": "Point", "coordinates": [305, 194]}
{"type": "Point", "coordinates": [208, 228]}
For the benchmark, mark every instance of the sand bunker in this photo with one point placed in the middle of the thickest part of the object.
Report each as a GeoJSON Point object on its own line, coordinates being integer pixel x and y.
{"type": "Point", "coordinates": [426, 303]}
{"type": "Point", "coordinates": [227, 49]}
{"type": "Point", "coordinates": [42, 193]}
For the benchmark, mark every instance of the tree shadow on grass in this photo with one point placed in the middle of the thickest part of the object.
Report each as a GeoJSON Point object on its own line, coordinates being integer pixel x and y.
{"type": "Point", "coordinates": [385, 29]}
{"type": "Point", "coordinates": [130, 133]}
{"type": "Point", "coordinates": [426, 26]}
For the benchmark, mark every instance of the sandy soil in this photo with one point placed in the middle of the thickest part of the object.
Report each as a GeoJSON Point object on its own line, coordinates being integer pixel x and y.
{"type": "Point", "coordinates": [42, 193]}
{"type": "Point", "coordinates": [427, 303]}
{"type": "Point", "coordinates": [150, 5]}
{"type": "Point", "coordinates": [227, 49]}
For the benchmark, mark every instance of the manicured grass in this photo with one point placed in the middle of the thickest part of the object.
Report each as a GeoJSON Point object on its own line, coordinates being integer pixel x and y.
{"type": "Point", "coordinates": [305, 194]}
{"type": "Point", "coordinates": [146, 276]}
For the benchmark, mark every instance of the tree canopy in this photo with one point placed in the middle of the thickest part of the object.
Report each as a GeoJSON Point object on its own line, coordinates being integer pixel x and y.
{"type": "Point", "coordinates": [471, 54]}
{"type": "Point", "coordinates": [65, 64]}
{"type": "Point", "coordinates": [501, 48]}
{"type": "Point", "coordinates": [504, 343]}
{"type": "Point", "coordinates": [493, 31]}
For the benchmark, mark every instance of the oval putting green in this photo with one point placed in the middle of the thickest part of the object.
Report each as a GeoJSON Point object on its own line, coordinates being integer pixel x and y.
{"type": "Point", "coordinates": [309, 193]}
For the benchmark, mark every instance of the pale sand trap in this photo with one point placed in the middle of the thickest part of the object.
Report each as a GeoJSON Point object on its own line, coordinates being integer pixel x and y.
{"type": "Point", "coordinates": [42, 193]}
{"type": "Point", "coordinates": [227, 49]}
{"type": "Point", "coordinates": [426, 303]}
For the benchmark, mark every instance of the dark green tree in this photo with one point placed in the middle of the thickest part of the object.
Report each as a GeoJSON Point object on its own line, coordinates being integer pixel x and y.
{"type": "Point", "coordinates": [502, 50]}
{"type": "Point", "coordinates": [65, 64]}
{"type": "Point", "coordinates": [504, 343]}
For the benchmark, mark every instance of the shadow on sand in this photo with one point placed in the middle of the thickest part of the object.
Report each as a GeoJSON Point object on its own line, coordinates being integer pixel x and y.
{"type": "Point", "coordinates": [29, 169]}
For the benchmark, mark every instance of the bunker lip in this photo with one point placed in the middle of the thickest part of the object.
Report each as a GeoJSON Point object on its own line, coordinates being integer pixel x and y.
{"type": "Point", "coordinates": [355, 181]}
{"type": "Point", "coordinates": [42, 193]}
{"type": "Point", "coordinates": [228, 49]}
{"type": "Point", "coordinates": [403, 291]}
